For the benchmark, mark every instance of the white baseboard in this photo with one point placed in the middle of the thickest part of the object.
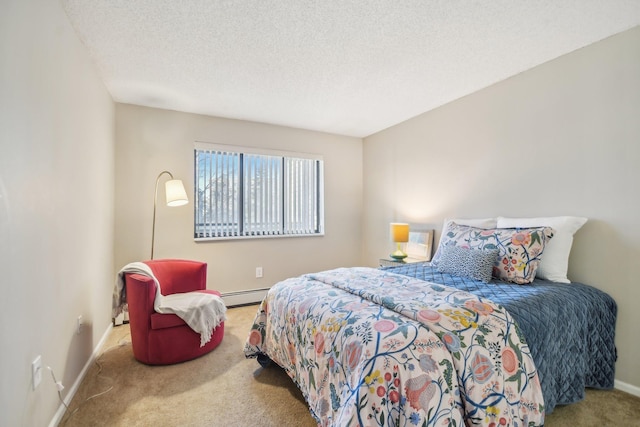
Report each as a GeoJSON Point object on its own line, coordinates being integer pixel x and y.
{"type": "Point", "coordinates": [631, 389]}
{"type": "Point", "coordinates": [74, 388]}
{"type": "Point", "coordinates": [244, 297]}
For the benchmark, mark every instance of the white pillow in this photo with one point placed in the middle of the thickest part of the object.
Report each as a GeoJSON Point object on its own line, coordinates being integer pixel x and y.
{"type": "Point", "coordinates": [555, 260]}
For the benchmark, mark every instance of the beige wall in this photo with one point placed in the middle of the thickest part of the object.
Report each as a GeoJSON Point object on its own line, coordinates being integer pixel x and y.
{"type": "Point", "coordinates": [560, 139]}
{"type": "Point", "coordinates": [56, 207]}
{"type": "Point", "coordinates": [150, 140]}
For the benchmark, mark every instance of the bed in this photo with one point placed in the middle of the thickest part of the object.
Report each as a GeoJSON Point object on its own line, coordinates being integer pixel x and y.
{"type": "Point", "coordinates": [570, 328]}
{"type": "Point", "coordinates": [355, 341]}
{"type": "Point", "coordinates": [415, 346]}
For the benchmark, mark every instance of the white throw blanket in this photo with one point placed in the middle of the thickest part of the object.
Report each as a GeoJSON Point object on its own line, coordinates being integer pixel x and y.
{"type": "Point", "coordinates": [203, 312]}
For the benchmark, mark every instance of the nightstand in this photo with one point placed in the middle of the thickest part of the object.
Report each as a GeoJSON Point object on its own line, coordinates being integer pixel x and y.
{"type": "Point", "coordinates": [389, 262]}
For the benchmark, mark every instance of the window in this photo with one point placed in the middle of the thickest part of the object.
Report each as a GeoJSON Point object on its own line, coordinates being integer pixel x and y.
{"type": "Point", "coordinates": [248, 192]}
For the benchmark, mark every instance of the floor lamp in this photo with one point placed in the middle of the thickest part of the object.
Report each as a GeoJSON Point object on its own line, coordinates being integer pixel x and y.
{"type": "Point", "coordinates": [176, 196]}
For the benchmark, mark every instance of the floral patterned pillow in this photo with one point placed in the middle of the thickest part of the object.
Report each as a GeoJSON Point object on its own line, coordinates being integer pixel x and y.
{"type": "Point", "coordinates": [519, 249]}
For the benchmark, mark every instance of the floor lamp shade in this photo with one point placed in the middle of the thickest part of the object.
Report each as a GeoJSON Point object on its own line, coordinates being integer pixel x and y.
{"type": "Point", "coordinates": [175, 196]}
{"type": "Point", "coordinates": [175, 192]}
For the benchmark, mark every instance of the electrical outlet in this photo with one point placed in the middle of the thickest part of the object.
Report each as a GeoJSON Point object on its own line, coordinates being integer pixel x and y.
{"type": "Point", "coordinates": [258, 272]}
{"type": "Point", "coordinates": [36, 371]}
{"type": "Point", "coordinates": [79, 325]}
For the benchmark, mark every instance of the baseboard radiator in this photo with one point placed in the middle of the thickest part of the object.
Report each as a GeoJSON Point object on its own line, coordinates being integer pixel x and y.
{"type": "Point", "coordinates": [253, 296]}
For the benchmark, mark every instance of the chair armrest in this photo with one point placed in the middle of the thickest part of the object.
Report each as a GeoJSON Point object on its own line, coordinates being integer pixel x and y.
{"type": "Point", "coordinates": [177, 275]}
{"type": "Point", "coordinates": [141, 294]}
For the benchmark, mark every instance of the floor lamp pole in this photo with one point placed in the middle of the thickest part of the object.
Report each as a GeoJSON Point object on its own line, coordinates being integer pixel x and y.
{"type": "Point", "coordinates": [155, 202]}
{"type": "Point", "coordinates": [175, 196]}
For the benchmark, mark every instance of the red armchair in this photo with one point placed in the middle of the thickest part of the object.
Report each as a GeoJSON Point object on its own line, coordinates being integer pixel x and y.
{"type": "Point", "coordinates": [162, 339]}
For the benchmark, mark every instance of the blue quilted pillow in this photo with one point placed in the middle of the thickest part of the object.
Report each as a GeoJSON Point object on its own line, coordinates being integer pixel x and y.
{"type": "Point", "coordinates": [475, 264]}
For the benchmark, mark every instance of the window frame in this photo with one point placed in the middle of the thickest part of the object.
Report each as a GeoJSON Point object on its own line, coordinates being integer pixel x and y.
{"type": "Point", "coordinates": [199, 235]}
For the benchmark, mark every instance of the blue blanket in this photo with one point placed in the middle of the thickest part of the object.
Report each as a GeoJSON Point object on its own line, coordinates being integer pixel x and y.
{"type": "Point", "coordinates": [569, 328]}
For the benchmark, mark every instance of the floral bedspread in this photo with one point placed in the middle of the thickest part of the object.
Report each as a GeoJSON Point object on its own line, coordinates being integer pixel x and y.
{"type": "Point", "coordinates": [371, 348]}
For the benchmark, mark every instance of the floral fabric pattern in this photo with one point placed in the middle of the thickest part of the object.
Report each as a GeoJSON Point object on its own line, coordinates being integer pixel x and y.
{"type": "Point", "coordinates": [372, 348]}
{"type": "Point", "coordinates": [519, 249]}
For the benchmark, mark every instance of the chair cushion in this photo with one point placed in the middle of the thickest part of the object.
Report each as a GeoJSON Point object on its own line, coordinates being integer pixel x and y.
{"type": "Point", "coordinates": [162, 321]}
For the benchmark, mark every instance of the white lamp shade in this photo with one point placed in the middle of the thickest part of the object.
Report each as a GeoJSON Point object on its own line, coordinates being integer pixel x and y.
{"type": "Point", "coordinates": [176, 195]}
{"type": "Point", "coordinates": [399, 232]}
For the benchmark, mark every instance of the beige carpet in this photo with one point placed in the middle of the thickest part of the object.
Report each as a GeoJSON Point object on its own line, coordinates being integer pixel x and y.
{"type": "Point", "coordinates": [223, 388]}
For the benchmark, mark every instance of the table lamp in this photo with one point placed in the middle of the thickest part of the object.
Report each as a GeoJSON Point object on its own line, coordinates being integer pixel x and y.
{"type": "Point", "coordinates": [399, 234]}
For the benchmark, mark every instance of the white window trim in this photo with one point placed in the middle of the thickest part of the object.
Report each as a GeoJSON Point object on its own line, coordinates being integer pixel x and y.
{"type": "Point", "coordinates": [207, 146]}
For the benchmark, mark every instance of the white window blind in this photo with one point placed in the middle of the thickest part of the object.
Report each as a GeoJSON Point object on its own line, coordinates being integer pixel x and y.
{"type": "Point", "coordinates": [217, 193]}
{"type": "Point", "coordinates": [301, 196]}
{"type": "Point", "coordinates": [240, 194]}
{"type": "Point", "coordinates": [262, 179]}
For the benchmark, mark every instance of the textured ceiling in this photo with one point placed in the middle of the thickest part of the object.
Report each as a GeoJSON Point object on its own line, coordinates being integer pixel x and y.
{"type": "Point", "coordinates": [339, 66]}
